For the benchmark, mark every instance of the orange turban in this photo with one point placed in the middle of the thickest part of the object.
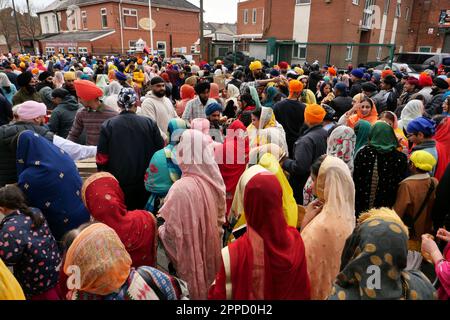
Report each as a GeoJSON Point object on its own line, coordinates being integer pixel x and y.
{"type": "Point", "coordinates": [314, 114]}
{"type": "Point", "coordinates": [386, 73]}
{"type": "Point", "coordinates": [87, 90]}
{"type": "Point", "coordinates": [332, 71]}
{"type": "Point", "coordinates": [140, 61]}
{"type": "Point", "coordinates": [295, 86]}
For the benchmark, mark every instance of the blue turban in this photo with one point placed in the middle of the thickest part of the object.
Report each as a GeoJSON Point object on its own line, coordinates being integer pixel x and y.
{"type": "Point", "coordinates": [212, 107]}
{"type": "Point", "coordinates": [358, 73]}
{"type": "Point", "coordinates": [342, 87]}
{"type": "Point", "coordinates": [422, 124]}
{"type": "Point", "coordinates": [120, 76]}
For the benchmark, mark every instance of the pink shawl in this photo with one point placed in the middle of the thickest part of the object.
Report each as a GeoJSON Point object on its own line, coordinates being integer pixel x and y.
{"type": "Point", "coordinates": [194, 212]}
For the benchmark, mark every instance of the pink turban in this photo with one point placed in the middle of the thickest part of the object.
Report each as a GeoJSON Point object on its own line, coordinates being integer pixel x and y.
{"type": "Point", "coordinates": [31, 109]}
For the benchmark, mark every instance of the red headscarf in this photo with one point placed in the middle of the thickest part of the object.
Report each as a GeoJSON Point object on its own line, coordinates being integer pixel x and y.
{"type": "Point", "coordinates": [137, 229]}
{"type": "Point", "coordinates": [268, 262]}
{"type": "Point", "coordinates": [232, 157]}
{"type": "Point", "coordinates": [187, 92]}
{"type": "Point", "coordinates": [442, 138]}
{"type": "Point", "coordinates": [214, 91]}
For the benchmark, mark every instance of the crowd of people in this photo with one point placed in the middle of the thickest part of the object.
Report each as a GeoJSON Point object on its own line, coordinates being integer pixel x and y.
{"type": "Point", "coordinates": [222, 181]}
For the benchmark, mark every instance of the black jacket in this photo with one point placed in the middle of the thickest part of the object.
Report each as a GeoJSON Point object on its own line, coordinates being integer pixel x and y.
{"type": "Point", "coordinates": [435, 105]}
{"type": "Point", "coordinates": [8, 133]}
{"type": "Point", "coordinates": [290, 114]}
{"type": "Point", "coordinates": [63, 116]}
{"type": "Point", "coordinates": [307, 149]}
{"type": "Point", "coordinates": [6, 114]}
{"type": "Point", "coordinates": [441, 209]}
{"type": "Point", "coordinates": [128, 142]}
{"type": "Point", "coordinates": [341, 105]}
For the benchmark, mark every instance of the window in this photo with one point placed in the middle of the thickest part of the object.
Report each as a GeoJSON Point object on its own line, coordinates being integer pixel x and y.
{"type": "Point", "coordinates": [368, 15]}
{"type": "Point", "coordinates": [245, 16]}
{"type": "Point", "coordinates": [254, 16]}
{"type": "Point", "coordinates": [130, 18]}
{"type": "Point", "coordinates": [301, 51]}
{"type": "Point", "coordinates": [407, 14]}
{"type": "Point", "coordinates": [55, 24]}
{"type": "Point", "coordinates": [61, 50]}
{"type": "Point", "coordinates": [84, 19]}
{"type": "Point", "coordinates": [425, 49]}
{"type": "Point", "coordinates": [355, 2]}
{"type": "Point", "coordinates": [72, 50]}
{"type": "Point", "coordinates": [161, 47]}
{"type": "Point", "coordinates": [50, 50]}
{"type": "Point", "coordinates": [398, 10]}
{"type": "Point", "coordinates": [132, 44]}
{"type": "Point", "coordinates": [349, 53]}
{"type": "Point", "coordinates": [299, 2]}
{"type": "Point", "coordinates": [47, 26]}
{"type": "Point", "coordinates": [104, 16]}
{"type": "Point", "coordinates": [82, 50]}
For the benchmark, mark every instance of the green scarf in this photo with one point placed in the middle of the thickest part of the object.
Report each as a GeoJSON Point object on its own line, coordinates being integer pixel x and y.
{"type": "Point", "coordinates": [382, 137]}
{"type": "Point", "coordinates": [362, 130]}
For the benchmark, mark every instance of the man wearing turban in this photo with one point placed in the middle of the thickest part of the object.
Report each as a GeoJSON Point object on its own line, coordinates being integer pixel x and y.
{"type": "Point", "coordinates": [420, 132]}
{"type": "Point", "coordinates": [419, 188]}
{"type": "Point", "coordinates": [306, 150]}
{"type": "Point", "coordinates": [213, 113]}
{"type": "Point", "coordinates": [27, 91]}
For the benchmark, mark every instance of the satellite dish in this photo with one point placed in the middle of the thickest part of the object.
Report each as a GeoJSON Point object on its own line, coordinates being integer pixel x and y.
{"type": "Point", "coordinates": [144, 23]}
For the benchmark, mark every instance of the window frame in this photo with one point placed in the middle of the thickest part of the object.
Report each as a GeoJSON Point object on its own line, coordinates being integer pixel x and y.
{"type": "Point", "coordinates": [254, 15]}
{"type": "Point", "coordinates": [104, 14]}
{"type": "Point", "coordinates": [349, 53]}
{"type": "Point", "coordinates": [47, 24]}
{"type": "Point", "coordinates": [130, 10]}
{"type": "Point", "coordinates": [355, 2]}
{"type": "Point", "coordinates": [245, 16]}
{"type": "Point", "coordinates": [398, 10]}
{"type": "Point", "coordinates": [303, 2]}
{"type": "Point", "coordinates": [165, 47]}
{"type": "Point", "coordinates": [84, 20]}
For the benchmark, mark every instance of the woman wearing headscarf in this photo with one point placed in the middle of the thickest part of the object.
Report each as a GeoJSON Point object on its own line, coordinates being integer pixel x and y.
{"type": "Point", "coordinates": [271, 92]}
{"type": "Point", "coordinates": [231, 102]}
{"type": "Point", "coordinates": [391, 118]}
{"type": "Point", "coordinates": [442, 138]}
{"type": "Point", "coordinates": [379, 242]}
{"type": "Point", "coordinates": [105, 201]}
{"type": "Point", "coordinates": [194, 213]}
{"type": "Point", "coordinates": [265, 129]}
{"type": "Point", "coordinates": [9, 287]}
{"type": "Point", "coordinates": [163, 169]}
{"type": "Point", "coordinates": [255, 96]}
{"type": "Point", "coordinates": [58, 79]}
{"type": "Point", "coordinates": [214, 93]}
{"type": "Point", "coordinates": [268, 262]}
{"type": "Point", "coordinates": [6, 87]}
{"type": "Point", "coordinates": [187, 93]}
{"type": "Point", "coordinates": [263, 159]}
{"type": "Point", "coordinates": [379, 168]}
{"type": "Point", "coordinates": [363, 109]}
{"type": "Point", "coordinates": [112, 95]}
{"type": "Point", "coordinates": [327, 223]}
{"type": "Point", "coordinates": [362, 130]}
{"type": "Point", "coordinates": [51, 182]}
{"type": "Point", "coordinates": [102, 82]}
{"type": "Point", "coordinates": [413, 109]}
{"type": "Point", "coordinates": [340, 144]}
{"type": "Point", "coordinates": [106, 273]}
{"type": "Point", "coordinates": [232, 157]}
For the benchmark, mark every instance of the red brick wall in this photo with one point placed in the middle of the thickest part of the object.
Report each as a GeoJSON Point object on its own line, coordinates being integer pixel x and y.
{"type": "Point", "coordinates": [183, 25]}
{"type": "Point", "coordinates": [250, 28]}
{"type": "Point", "coordinates": [425, 15]}
{"type": "Point", "coordinates": [281, 23]}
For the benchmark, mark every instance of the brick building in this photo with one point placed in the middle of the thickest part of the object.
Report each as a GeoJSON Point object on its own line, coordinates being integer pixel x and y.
{"type": "Point", "coordinates": [426, 33]}
{"type": "Point", "coordinates": [114, 26]}
{"type": "Point", "coordinates": [297, 30]}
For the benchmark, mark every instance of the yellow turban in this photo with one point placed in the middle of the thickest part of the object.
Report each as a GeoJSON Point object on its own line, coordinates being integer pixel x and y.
{"type": "Point", "coordinates": [423, 160]}
{"type": "Point", "coordinates": [299, 71]}
{"type": "Point", "coordinates": [255, 65]}
{"type": "Point", "coordinates": [314, 114]}
{"type": "Point", "coordinates": [70, 75]}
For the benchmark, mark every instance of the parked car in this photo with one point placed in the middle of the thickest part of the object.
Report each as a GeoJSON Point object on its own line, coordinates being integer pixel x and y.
{"type": "Point", "coordinates": [399, 67]}
{"type": "Point", "coordinates": [419, 61]}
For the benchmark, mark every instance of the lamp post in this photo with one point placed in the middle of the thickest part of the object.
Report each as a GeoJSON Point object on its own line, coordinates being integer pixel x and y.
{"type": "Point", "coordinates": [202, 41]}
{"type": "Point", "coordinates": [150, 24]}
{"type": "Point", "coordinates": [31, 26]}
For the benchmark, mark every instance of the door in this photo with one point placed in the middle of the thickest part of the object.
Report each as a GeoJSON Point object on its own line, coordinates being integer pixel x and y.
{"type": "Point", "coordinates": [446, 47]}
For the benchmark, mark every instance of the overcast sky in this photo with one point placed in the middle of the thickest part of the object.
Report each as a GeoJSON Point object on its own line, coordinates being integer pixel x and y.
{"type": "Point", "coordinates": [215, 10]}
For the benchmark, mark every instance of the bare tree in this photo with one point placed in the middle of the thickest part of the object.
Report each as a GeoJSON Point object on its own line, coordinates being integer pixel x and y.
{"type": "Point", "coordinates": [7, 25]}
